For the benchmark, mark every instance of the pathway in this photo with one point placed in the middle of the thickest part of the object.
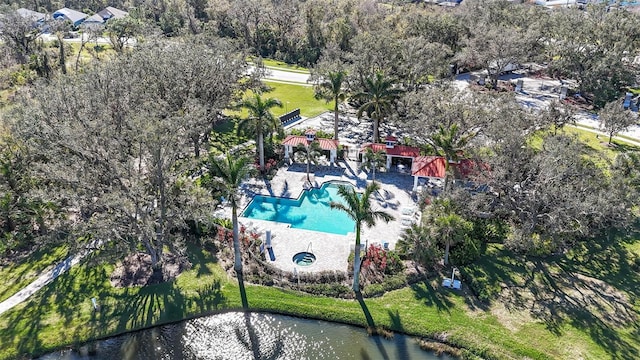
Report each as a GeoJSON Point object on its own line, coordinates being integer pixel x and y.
{"type": "Point", "coordinates": [45, 278]}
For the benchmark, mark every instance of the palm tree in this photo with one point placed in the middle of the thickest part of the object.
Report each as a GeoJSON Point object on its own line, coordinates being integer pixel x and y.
{"type": "Point", "coordinates": [447, 226]}
{"type": "Point", "coordinates": [449, 143]}
{"type": "Point", "coordinates": [358, 207]}
{"type": "Point", "coordinates": [418, 243]}
{"type": "Point", "coordinates": [379, 97]}
{"type": "Point", "coordinates": [261, 118]}
{"type": "Point", "coordinates": [331, 90]}
{"type": "Point", "coordinates": [230, 171]}
{"type": "Point", "coordinates": [311, 153]}
{"type": "Point", "coordinates": [372, 160]}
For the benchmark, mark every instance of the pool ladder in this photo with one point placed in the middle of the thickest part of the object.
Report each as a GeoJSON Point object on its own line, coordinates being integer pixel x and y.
{"type": "Point", "coordinates": [310, 248]}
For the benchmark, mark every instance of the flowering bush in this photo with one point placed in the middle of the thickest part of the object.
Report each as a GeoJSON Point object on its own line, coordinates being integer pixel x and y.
{"type": "Point", "coordinates": [383, 261]}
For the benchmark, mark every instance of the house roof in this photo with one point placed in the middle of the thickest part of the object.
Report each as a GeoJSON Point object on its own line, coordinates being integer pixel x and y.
{"type": "Point", "coordinates": [429, 166]}
{"type": "Point", "coordinates": [325, 144]}
{"type": "Point", "coordinates": [397, 150]}
{"type": "Point", "coordinates": [95, 18]}
{"type": "Point", "coordinates": [31, 15]}
{"type": "Point", "coordinates": [112, 13]}
{"type": "Point", "coordinates": [391, 138]}
{"type": "Point", "coordinates": [70, 14]}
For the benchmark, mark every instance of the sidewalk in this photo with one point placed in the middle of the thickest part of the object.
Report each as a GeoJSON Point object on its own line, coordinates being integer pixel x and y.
{"type": "Point", "coordinates": [46, 277]}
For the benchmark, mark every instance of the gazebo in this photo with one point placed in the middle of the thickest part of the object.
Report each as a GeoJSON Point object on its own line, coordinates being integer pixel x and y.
{"type": "Point", "coordinates": [310, 135]}
{"type": "Point", "coordinates": [433, 167]}
{"type": "Point", "coordinates": [391, 149]}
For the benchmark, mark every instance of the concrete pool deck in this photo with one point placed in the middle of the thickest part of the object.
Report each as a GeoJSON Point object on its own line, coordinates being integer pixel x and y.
{"type": "Point", "coordinates": [331, 250]}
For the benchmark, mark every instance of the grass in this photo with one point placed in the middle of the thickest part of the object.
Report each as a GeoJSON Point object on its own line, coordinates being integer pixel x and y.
{"type": "Point", "coordinates": [61, 314]}
{"type": "Point", "coordinates": [281, 65]}
{"type": "Point", "coordinates": [292, 96]}
{"type": "Point", "coordinates": [595, 147]}
{"type": "Point", "coordinates": [298, 96]}
{"type": "Point", "coordinates": [17, 275]}
{"type": "Point", "coordinates": [582, 305]}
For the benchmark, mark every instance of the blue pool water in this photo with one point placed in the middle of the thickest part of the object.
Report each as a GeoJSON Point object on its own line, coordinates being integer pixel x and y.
{"type": "Point", "coordinates": [310, 211]}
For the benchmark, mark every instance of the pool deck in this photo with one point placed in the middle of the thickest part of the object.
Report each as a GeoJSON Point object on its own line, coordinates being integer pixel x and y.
{"type": "Point", "coordinates": [331, 250]}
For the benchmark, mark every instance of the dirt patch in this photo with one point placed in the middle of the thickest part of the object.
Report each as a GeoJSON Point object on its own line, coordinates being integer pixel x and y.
{"type": "Point", "coordinates": [136, 270]}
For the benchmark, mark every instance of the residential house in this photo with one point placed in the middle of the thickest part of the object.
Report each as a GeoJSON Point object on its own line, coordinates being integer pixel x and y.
{"type": "Point", "coordinates": [94, 21]}
{"type": "Point", "coordinates": [112, 13]}
{"type": "Point", "coordinates": [37, 18]}
{"type": "Point", "coordinates": [74, 16]}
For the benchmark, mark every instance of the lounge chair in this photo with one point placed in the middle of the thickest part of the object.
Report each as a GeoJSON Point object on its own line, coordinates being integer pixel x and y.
{"type": "Point", "coordinates": [408, 211]}
{"type": "Point", "coordinates": [408, 221]}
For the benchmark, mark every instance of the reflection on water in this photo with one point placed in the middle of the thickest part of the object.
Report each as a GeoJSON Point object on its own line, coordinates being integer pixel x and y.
{"type": "Point", "coordinates": [251, 336]}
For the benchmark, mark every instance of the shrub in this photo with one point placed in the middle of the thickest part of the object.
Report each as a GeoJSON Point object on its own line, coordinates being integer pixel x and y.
{"type": "Point", "coordinates": [380, 260]}
{"type": "Point", "coordinates": [467, 251]}
{"type": "Point", "coordinates": [319, 133]}
{"type": "Point", "coordinates": [389, 283]}
{"type": "Point", "coordinates": [330, 290]}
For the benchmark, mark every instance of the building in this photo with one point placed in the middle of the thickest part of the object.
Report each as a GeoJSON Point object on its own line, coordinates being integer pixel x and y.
{"type": "Point", "coordinates": [394, 151]}
{"type": "Point", "coordinates": [37, 18]}
{"type": "Point", "coordinates": [94, 21]}
{"type": "Point", "coordinates": [292, 141]}
{"type": "Point", "coordinates": [112, 13]}
{"type": "Point", "coordinates": [75, 17]}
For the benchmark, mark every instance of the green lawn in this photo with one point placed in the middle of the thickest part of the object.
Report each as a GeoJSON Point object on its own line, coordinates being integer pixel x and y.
{"type": "Point", "coordinates": [292, 96]}
{"type": "Point", "coordinates": [61, 314]}
{"type": "Point", "coordinates": [297, 96]}
{"type": "Point", "coordinates": [281, 65]}
{"type": "Point", "coordinates": [17, 275]}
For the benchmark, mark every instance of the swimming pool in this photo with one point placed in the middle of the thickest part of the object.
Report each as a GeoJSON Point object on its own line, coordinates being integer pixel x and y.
{"type": "Point", "coordinates": [310, 211]}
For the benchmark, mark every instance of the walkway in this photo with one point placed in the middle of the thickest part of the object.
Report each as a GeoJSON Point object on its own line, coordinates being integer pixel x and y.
{"type": "Point", "coordinates": [45, 278]}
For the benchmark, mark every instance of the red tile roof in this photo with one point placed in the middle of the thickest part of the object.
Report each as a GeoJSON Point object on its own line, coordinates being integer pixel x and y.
{"type": "Point", "coordinates": [325, 144]}
{"type": "Point", "coordinates": [429, 166]}
{"type": "Point", "coordinates": [397, 150]}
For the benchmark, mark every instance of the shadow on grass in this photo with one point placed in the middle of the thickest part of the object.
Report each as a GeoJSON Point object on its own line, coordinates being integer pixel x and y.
{"type": "Point", "coordinates": [65, 304]}
{"type": "Point", "coordinates": [200, 257]}
{"type": "Point", "coordinates": [592, 288]}
{"type": "Point", "coordinates": [432, 298]}
{"type": "Point", "coordinates": [618, 146]}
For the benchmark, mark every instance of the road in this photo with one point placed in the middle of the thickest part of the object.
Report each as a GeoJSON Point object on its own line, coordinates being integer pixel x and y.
{"type": "Point", "coordinates": [284, 76]}
{"type": "Point", "coordinates": [99, 40]}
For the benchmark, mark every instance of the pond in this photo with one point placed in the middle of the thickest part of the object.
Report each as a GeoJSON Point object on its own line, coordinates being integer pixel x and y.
{"type": "Point", "coordinates": [251, 336]}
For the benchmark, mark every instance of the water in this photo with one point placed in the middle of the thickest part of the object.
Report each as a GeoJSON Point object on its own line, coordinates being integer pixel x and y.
{"type": "Point", "coordinates": [304, 258]}
{"type": "Point", "coordinates": [252, 336]}
{"type": "Point", "coordinates": [311, 211]}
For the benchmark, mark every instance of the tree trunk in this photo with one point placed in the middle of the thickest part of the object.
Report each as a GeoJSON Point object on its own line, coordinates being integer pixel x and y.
{"type": "Point", "coordinates": [610, 137]}
{"type": "Point", "coordinates": [446, 252]}
{"type": "Point", "coordinates": [336, 119]}
{"type": "Point", "coordinates": [376, 134]}
{"type": "Point", "coordinates": [308, 165]}
{"type": "Point", "coordinates": [261, 150]}
{"type": "Point", "coordinates": [196, 145]}
{"type": "Point", "coordinates": [82, 44]}
{"type": "Point", "coordinates": [63, 64]}
{"type": "Point", "coordinates": [237, 261]}
{"type": "Point", "coordinates": [356, 261]}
